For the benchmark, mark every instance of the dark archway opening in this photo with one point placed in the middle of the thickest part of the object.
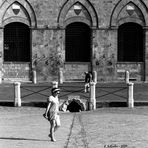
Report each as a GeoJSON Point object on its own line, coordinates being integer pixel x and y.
{"type": "Point", "coordinates": [130, 43]}
{"type": "Point", "coordinates": [78, 42]}
{"type": "Point", "coordinates": [16, 42]}
{"type": "Point", "coordinates": [74, 107]}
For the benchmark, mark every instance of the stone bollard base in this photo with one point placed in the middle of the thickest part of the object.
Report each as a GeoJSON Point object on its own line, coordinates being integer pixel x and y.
{"type": "Point", "coordinates": [17, 98]}
{"type": "Point", "coordinates": [92, 101]}
{"type": "Point", "coordinates": [126, 77]}
{"type": "Point", "coordinates": [95, 76]}
{"type": "Point", "coordinates": [34, 77]}
{"type": "Point", "coordinates": [130, 100]}
{"type": "Point", "coordinates": [54, 84]}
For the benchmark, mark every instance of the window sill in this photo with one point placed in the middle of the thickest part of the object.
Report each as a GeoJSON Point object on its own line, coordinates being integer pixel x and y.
{"type": "Point", "coordinates": [16, 62]}
{"type": "Point", "coordinates": [77, 63]}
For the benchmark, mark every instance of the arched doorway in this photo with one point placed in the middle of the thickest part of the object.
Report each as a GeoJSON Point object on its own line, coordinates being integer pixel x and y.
{"type": "Point", "coordinates": [130, 43]}
{"type": "Point", "coordinates": [17, 52]}
{"type": "Point", "coordinates": [78, 42]}
{"type": "Point", "coordinates": [74, 107]}
{"type": "Point", "coordinates": [16, 42]}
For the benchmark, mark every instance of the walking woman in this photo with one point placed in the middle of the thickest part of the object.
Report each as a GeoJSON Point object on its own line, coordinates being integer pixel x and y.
{"type": "Point", "coordinates": [52, 112]}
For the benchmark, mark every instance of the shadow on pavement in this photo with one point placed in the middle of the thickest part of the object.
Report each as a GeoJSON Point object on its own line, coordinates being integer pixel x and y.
{"type": "Point", "coordinates": [32, 104]}
{"type": "Point", "coordinates": [14, 138]}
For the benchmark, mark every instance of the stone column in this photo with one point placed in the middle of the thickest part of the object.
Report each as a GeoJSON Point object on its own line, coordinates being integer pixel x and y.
{"type": "Point", "coordinates": [94, 41]}
{"type": "Point", "coordinates": [1, 75]}
{"type": "Point", "coordinates": [130, 101]}
{"type": "Point", "coordinates": [92, 101]}
{"type": "Point", "coordinates": [17, 98]}
{"type": "Point", "coordinates": [146, 57]}
{"type": "Point", "coordinates": [126, 77]}
{"type": "Point", "coordinates": [54, 84]}
{"type": "Point", "coordinates": [1, 54]}
{"type": "Point", "coordinates": [34, 76]}
{"type": "Point", "coordinates": [95, 76]}
{"type": "Point", "coordinates": [61, 76]}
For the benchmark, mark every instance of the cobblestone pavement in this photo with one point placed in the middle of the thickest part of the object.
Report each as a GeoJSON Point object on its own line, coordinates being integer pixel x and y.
{"type": "Point", "coordinates": [25, 127]}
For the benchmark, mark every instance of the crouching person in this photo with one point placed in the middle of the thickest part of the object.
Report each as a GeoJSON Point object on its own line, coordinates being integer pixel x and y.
{"type": "Point", "coordinates": [88, 79]}
{"type": "Point", "coordinates": [52, 112]}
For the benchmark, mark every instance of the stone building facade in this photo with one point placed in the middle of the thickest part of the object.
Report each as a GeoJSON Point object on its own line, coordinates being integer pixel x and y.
{"type": "Point", "coordinates": [73, 36]}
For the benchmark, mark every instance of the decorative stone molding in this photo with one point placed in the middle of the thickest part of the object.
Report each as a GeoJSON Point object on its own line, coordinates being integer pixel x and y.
{"type": "Point", "coordinates": [76, 19]}
{"type": "Point", "coordinates": [134, 20]}
{"type": "Point", "coordinates": [118, 8]}
{"type": "Point", "coordinates": [27, 8]}
{"type": "Point", "coordinates": [14, 19]}
{"type": "Point", "coordinates": [88, 6]}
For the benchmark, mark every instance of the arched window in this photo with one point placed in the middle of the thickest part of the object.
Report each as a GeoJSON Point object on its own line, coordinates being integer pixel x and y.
{"type": "Point", "coordinates": [16, 42]}
{"type": "Point", "coordinates": [130, 43]}
{"type": "Point", "coordinates": [78, 42]}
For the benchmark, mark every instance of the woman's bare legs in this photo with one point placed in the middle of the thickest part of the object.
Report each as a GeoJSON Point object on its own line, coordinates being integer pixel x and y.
{"type": "Point", "coordinates": [52, 130]}
{"type": "Point", "coordinates": [54, 125]}
{"type": "Point", "coordinates": [56, 128]}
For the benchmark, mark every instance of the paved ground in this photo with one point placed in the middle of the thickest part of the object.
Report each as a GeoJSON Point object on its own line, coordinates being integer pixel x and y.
{"type": "Point", "coordinates": [25, 127]}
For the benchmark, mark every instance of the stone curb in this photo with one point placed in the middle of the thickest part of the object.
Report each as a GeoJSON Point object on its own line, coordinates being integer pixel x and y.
{"type": "Point", "coordinates": [99, 104]}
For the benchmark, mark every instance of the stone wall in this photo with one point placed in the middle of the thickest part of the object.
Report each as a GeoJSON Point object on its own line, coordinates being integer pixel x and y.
{"type": "Point", "coordinates": [105, 54]}
{"type": "Point", "coordinates": [47, 20]}
{"type": "Point", "coordinates": [48, 53]}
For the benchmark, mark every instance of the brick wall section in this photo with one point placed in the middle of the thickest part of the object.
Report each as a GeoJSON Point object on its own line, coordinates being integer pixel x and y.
{"type": "Point", "coordinates": [16, 71]}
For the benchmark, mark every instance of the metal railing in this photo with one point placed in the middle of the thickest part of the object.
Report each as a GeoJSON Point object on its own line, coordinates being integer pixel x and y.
{"type": "Point", "coordinates": [108, 93]}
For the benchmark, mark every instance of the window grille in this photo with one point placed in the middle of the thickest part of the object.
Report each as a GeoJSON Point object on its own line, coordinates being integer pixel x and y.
{"type": "Point", "coordinates": [130, 43]}
{"type": "Point", "coordinates": [16, 43]}
{"type": "Point", "coordinates": [78, 42]}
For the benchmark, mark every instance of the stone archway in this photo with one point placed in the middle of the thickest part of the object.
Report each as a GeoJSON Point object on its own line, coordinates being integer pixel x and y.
{"type": "Point", "coordinates": [78, 42]}
{"type": "Point", "coordinates": [130, 43]}
{"type": "Point", "coordinates": [73, 105]}
{"type": "Point", "coordinates": [142, 10]}
{"type": "Point", "coordinates": [91, 16]}
{"type": "Point", "coordinates": [26, 12]}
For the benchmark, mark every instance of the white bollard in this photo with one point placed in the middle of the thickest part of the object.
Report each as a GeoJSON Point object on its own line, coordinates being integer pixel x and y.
{"type": "Point", "coordinates": [130, 101]}
{"type": "Point", "coordinates": [54, 84]}
{"type": "Point", "coordinates": [34, 77]}
{"type": "Point", "coordinates": [92, 101]}
{"type": "Point", "coordinates": [61, 77]}
{"type": "Point", "coordinates": [0, 77]}
{"type": "Point", "coordinates": [126, 77]}
{"type": "Point", "coordinates": [17, 99]}
{"type": "Point", "coordinates": [95, 76]}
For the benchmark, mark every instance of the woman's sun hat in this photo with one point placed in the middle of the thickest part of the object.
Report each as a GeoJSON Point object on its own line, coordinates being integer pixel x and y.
{"type": "Point", "coordinates": [54, 90]}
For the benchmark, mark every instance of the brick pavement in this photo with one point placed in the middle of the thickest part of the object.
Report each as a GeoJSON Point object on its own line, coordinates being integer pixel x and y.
{"type": "Point", "coordinates": [104, 128]}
